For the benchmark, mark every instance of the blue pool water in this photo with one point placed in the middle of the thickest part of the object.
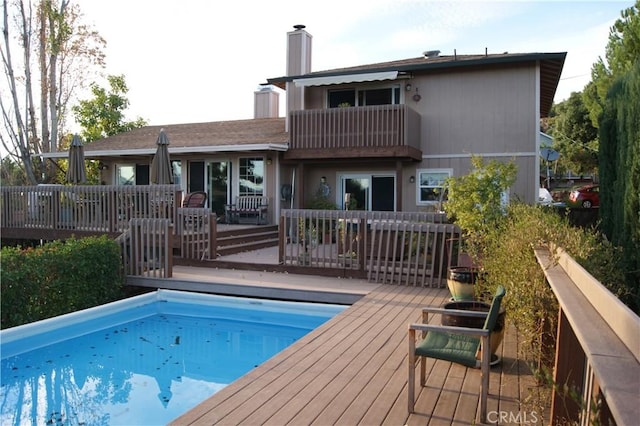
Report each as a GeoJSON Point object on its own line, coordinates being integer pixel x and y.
{"type": "Point", "coordinates": [146, 360]}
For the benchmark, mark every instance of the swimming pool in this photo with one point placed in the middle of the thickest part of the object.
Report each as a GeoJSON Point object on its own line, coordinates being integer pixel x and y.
{"type": "Point", "coordinates": [143, 360]}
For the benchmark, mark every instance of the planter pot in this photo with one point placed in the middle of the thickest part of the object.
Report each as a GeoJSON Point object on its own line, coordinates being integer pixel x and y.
{"type": "Point", "coordinates": [304, 259]}
{"type": "Point", "coordinates": [461, 282]}
{"type": "Point", "coordinates": [459, 321]}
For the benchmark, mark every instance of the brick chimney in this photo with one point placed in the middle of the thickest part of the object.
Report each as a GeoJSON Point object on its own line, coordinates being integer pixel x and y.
{"type": "Point", "coordinates": [266, 103]}
{"type": "Point", "coordinates": [298, 63]}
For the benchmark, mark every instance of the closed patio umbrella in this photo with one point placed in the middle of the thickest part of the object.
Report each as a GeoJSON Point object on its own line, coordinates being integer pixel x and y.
{"type": "Point", "coordinates": [161, 171]}
{"type": "Point", "coordinates": [76, 171]}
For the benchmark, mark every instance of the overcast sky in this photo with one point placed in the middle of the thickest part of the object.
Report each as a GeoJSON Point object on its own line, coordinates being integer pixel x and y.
{"type": "Point", "coordinates": [201, 60]}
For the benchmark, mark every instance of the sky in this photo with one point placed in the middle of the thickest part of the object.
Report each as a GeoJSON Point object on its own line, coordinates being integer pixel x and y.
{"type": "Point", "coordinates": [194, 61]}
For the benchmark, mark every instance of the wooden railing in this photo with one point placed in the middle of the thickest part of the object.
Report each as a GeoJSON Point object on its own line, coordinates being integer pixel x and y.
{"type": "Point", "coordinates": [147, 248]}
{"type": "Point", "coordinates": [349, 131]}
{"type": "Point", "coordinates": [393, 247]}
{"type": "Point", "coordinates": [86, 208]}
{"type": "Point", "coordinates": [196, 228]}
{"type": "Point", "coordinates": [597, 348]}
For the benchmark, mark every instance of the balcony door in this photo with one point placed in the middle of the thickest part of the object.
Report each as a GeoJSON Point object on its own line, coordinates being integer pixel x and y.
{"type": "Point", "coordinates": [368, 192]}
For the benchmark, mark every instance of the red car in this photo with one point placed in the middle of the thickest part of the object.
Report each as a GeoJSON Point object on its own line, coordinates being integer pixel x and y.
{"type": "Point", "coordinates": [586, 196]}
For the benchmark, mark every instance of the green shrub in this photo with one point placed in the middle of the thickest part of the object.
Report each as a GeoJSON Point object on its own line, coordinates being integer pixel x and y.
{"type": "Point", "coordinates": [509, 259]}
{"type": "Point", "coordinates": [58, 278]}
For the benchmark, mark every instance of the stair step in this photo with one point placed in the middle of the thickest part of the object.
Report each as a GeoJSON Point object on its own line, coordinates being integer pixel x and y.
{"type": "Point", "coordinates": [246, 238]}
{"type": "Point", "coordinates": [246, 231]}
{"type": "Point", "coordinates": [239, 248]}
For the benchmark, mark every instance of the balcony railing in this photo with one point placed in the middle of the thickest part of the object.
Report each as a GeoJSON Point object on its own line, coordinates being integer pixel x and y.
{"type": "Point", "coordinates": [355, 132]}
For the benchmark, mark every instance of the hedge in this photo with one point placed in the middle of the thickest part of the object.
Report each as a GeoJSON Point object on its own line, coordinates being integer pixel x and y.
{"type": "Point", "coordinates": [57, 278]}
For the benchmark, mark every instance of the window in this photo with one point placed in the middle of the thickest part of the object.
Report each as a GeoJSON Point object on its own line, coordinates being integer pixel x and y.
{"type": "Point", "coordinates": [430, 184]}
{"type": "Point", "coordinates": [251, 176]}
{"type": "Point", "coordinates": [363, 97]}
{"type": "Point", "coordinates": [340, 98]}
{"type": "Point", "coordinates": [176, 166]}
{"type": "Point", "coordinates": [125, 174]}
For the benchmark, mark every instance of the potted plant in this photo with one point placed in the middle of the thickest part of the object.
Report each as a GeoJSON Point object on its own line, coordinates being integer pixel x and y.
{"type": "Point", "coordinates": [476, 202]}
{"type": "Point", "coordinates": [308, 238]}
{"type": "Point", "coordinates": [327, 226]}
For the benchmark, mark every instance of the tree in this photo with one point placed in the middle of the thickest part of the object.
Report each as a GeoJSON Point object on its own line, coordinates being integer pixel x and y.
{"type": "Point", "coordinates": [55, 53]}
{"type": "Point", "coordinates": [574, 137]}
{"type": "Point", "coordinates": [103, 115]}
{"type": "Point", "coordinates": [622, 51]}
{"type": "Point", "coordinates": [620, 165]}
{"type": "Point", "coordinates": [476, 200]}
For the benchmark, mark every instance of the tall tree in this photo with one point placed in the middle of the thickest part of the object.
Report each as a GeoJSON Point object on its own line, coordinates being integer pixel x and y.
{"type": "Point", "coordinates": [103, 115]}
{"type": "Point", "coordinates": [574, 137]}
{"type": "Point", "coordinates": [620, 176]}
{"type": "Point", "coordinates": [623, 49]}
{"type": "Point", "coordinates": [55, 52]}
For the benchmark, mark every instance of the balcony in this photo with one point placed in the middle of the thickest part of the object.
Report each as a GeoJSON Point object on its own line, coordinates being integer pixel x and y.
{"type": "Point", "coordinates": [382, 131]}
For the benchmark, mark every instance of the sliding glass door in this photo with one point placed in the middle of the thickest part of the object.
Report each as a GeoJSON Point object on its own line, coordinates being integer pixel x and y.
{"type": "Point", "coordinates": [368, 192]}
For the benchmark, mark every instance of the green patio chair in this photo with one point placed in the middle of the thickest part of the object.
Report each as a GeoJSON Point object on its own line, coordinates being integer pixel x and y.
{"type": "Point", "coordinates": [461, 345]}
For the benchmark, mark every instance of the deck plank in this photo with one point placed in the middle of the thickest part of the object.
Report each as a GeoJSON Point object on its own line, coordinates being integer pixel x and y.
{"type": "Point", "coordinates": [353, 370]}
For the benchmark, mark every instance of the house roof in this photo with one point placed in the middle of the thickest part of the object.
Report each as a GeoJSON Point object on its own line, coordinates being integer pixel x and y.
{"type": "Point", "coordinates": [550, 69]}
{"type": "Point", "coordinates": [216, 136]}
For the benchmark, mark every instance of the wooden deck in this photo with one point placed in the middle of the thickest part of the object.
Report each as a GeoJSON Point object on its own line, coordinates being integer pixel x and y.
{"type": "Point", "coordinates": [353, 370]}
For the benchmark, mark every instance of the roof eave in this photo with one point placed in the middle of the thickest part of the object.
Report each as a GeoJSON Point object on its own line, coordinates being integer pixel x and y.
{"type": "Point", "coordinates": [176, 150]}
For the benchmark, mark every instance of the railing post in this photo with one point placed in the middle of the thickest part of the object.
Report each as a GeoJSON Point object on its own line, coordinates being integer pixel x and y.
{"type": "Point", "coordinates": [362, 237]}
{"type": "Point", "coordinates": [112, 209]}
{"type": "Point", "coordinates": [213, 236]}
{"type": "Point", "coordinates": [281, 238]}
{"type": "Point", "coordinates": [568, 374]}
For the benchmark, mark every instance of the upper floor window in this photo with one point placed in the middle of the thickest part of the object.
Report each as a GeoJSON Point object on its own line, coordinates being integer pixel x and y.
{"type": "Point", "coordinates": [251, 176]}
{"type": "Point", "coordinates": [363, 97]}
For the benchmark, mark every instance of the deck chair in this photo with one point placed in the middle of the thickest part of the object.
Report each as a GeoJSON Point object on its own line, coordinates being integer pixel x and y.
{"type": "Point", "coordinates": [461, 345]}
{"type": "Point", "coordinates": [195, 199]}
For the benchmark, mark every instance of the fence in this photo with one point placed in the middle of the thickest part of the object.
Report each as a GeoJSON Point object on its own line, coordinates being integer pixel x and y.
{"type": "Point", "coordinates": [393, 247]}
{"type": "Point", "coordinates": [86, 208]}
{"type": "Point", "coordinates": [196, 228]}
{"type": "Point", "coordinates": [597, 348]}
{"type": "Point", "coordinates": [147, 248]}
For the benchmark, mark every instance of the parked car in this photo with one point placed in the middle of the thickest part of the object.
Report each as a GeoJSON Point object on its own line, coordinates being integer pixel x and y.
{"type": "Point", "coordinates": [586, 196]}
{"type": "Point", "coordinates": [544, 197]}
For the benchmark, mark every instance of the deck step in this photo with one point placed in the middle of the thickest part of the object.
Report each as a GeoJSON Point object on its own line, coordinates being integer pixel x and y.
{"type": "Point", "coordinates": [246, 239]}
{"type": "Point", "coordinates": [249, 246]}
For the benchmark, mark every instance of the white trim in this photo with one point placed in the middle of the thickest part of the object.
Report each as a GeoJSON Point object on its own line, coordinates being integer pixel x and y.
{"type": "Point", "coordinates": [483, 154]}
{"type": "Point", "coordinates": [181, 150]}
{"type": "Point", "coordinates": [347, 78]}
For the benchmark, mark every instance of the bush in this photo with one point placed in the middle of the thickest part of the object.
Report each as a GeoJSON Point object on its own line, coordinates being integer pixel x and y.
{"type": "Point", "coordinates": [58, 278]}
{"type": "Point", "coordinates": [509, 260]}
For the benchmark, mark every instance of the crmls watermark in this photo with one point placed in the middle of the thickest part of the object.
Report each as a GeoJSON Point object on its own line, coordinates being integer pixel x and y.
{"type": "Point", "coordinates": [513, 417]}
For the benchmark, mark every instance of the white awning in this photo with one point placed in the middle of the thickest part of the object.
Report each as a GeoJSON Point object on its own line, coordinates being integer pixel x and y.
{"type": "Point", "coordinates": [346, 78]}
{"type": "Point", "coordinates": [89, 155]}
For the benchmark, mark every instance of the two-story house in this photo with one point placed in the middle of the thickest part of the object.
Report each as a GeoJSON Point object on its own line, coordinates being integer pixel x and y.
{"type": "Point", "coordinates": [382, 136]}
{"type": "Point", "coordinates": [390, 133]}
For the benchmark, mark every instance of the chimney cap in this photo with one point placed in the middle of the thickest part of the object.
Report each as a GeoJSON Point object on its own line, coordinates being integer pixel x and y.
{"type": "Point", "coordinates": [299, 27]}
